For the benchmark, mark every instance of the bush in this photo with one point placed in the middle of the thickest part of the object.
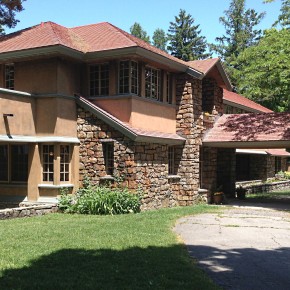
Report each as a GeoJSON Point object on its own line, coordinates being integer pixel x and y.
{"type": "Point", "coordinates": [100, 200]}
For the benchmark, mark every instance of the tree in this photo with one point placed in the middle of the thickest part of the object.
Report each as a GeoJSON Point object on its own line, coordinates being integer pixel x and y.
{"type": "Point", "coordinates": [184, 38]}
{"type": "Point", "coordinates": [137, 30]}
{"type": "Point", "coordinates": [159, 39]}
{"type": "Point", "coordinates": [240, 33]}
{"type": "Point", "coordinates": [8, 9]}
{"type": "Point", "coordinates": [264, 70]}
{"type": "Point", "coordinates": [284, 17]}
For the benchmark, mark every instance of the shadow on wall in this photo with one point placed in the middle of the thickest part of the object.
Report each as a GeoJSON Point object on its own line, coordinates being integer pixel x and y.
{"type": "Point", "coordinates": [134, 268]}
{"type": "Point", "coordinates": [245, 268]}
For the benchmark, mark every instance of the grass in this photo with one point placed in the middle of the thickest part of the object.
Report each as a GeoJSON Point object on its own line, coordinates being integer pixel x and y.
{"type": "Point", "coordinates": [269, 195]}
{"type": "Point", "coordinates": [136, 251]}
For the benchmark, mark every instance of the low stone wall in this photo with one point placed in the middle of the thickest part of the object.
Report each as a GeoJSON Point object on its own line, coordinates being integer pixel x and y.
{"type": "Point", "coordinates": [264, 187]}
{"type": "Point", "coordinates": [27, 211]}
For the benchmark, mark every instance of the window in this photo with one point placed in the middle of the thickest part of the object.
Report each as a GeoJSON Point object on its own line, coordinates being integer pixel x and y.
{"type": "Point", "coordinates": [64, 162]}
{"type": "Point", "coordinates": [48, 166]}
{"type": "Point", "coordinates": [168, 88]}
{"type": "Point", "coordinates": [14, 163]}
{"type": "Point", "coordinates": [171, 160]}
{"type": "Point", "coordinates": [108, 151]}
{"type": "Point", "coordinates": [278, 166]}
{"type": "Point", "coordinates": [152, 83]}
{"type": "Point", "coordinates": [128, 77]}
{"type": "Point", "coordinates": [9, 76]}
{"type": "Point", "coordinates": [99, 80]}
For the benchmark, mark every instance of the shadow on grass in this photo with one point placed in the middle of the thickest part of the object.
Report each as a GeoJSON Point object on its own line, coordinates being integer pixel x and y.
{"type": "Point", "coordinates": [134, 268]}
{"type": "Point", "coordinates": [245, 268]}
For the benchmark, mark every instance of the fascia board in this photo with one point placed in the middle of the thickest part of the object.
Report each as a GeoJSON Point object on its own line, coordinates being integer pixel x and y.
{"type": "Point", "coordinates": [38, 139]}
{"type": "Point", "coordinates": [236, 105]}
{"type": "Point", "coordinates": [41, 51]}
{"type": "Point", "coordinates": [110, 53]}
{"type": "Point", "coordinates": [248, 144]}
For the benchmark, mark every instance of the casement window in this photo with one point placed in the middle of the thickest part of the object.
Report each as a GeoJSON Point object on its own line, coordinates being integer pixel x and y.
{"type": "Point", "coordinates": [50, 163]}
{"type": "Point", "coordinates": [13, 163]}
{"type": "Point", "coordinates": [64, 162]}
{"type": "Point", "coordinates": [171, 160]}
{"type": "Point", "coordinates": [278, 166]}
{"type": "Point", "coordinates": [128, 77]}
{"type": "Point", "coordinates": [9, 76]}
{"type": "Point", "coordinates": [99, 80]}
{"type": "Point", "coordinates": [168, 88]}
{"type": "Point", "coordinates": [108, 151]}
{"type": "Point", "coordinates": [152, 83]}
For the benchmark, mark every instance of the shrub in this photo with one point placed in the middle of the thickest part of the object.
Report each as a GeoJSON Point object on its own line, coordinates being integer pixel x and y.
{"type": "Point", "coordinates": [100, 200]}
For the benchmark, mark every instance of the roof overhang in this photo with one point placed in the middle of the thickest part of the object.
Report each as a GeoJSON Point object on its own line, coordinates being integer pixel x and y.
{"type": "Point", "coordinates": [224, 75]}
{"type": "Point", "coordinates": [41, 51]}
{"type": "Point", "coordinates": [38, 139]}
{"type": "Point", "coordinates": [251, 151]}
{"type": "Point", "coordinates": [249, 144]}
{"type": "Point", "coordinates": [242, 107]}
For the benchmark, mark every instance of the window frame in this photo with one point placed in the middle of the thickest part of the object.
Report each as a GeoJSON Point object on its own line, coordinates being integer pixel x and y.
{"type": "Point", "coordinates": [171, 160]}
{"type": "Point", "coordinates": [151, 81]}
{"type": "Point", "coordinates": [9, 167]}
{"type": "Point", "coordinates": [9, 76]}
{"type": "Point", "coordinates": [109, 157]}
{"type": "Point", "coordinates": [132, 77]}
{"type": "Point", "coordinates": [99, 85]}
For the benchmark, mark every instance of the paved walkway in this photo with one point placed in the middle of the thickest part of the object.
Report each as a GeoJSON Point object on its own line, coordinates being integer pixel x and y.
{"type": "Point", "coordinates": [241, 248]}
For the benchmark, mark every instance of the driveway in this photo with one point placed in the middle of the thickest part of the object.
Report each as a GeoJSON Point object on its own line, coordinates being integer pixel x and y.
{"type": "Point", "coordinates": [241, 247]}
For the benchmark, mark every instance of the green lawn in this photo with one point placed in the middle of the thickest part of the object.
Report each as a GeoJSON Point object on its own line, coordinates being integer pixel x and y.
{"type": "Point", "coordinates": [136, 251]}
{"type": "Point", "coordinates": [269, 195]}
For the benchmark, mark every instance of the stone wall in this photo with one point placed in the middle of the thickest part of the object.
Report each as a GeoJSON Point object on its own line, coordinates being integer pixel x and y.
{"type": "Point", "coordinates": [144, 166]}
{"type": "Point", "coordinates": [212, 96]}
{"type": "Point", "coordinates": [189, 124]}
{"type": "Point", "coordinates": [264, 187]}
{"type": "Point", "coordinates": [27, 211]}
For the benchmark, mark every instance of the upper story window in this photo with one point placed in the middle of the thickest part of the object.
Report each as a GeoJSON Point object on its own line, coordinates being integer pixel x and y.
{"type": "Point", "coordinates": [152, 83]}
{"type": "Point", "coordinates": [99, 80]}
{"type": "Point", "coordinates": [128, 77]}
{"type": "Point", "coordinates": [9, 76]}
{"type": "Point", "coordinates": [168, 88]}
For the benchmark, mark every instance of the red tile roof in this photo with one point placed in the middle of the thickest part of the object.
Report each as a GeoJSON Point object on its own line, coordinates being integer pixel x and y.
{"type": "Point", "coordinates": [256, 127]}
{"type": "Point", "coordinates": [204, 65]}
{"type": "Point", "coordinates": [89, 38]}
{"type": "Point", "coordinates": [238, 99]}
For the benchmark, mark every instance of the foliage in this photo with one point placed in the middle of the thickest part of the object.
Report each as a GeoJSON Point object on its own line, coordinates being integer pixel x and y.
{"type": "Point", "coordinates": [8, 9]}
{"type": "Point", "coordinates": [284, 17]}
{"type": "Point", "coordinates": [159, 39]}
{"type": "Point", "coordinates": [137, 30]}
{"type": "Point", "coordinates": [100, 200]}
{"type": "Point", "coordinates": [240, 33]}
{"type": "Point", "coordinates": [81, 251]}
{"type": "Point", "coordinates": [264, 71]}
{"type": "Point", "coordinates": [184, 38]}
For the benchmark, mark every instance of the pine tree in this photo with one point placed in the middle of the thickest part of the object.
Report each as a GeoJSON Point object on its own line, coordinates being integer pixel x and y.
{"type": "Point", "coordinates": [159, 39]}
{"type": "Point", "coordinates": [284, 17]}
{"type": "Point", "coordinates": [8, 9]}
{"type": "Point", "coordinates": [137, 30]}
{"type": "Point", "coordinates": [184, 38]}
{"type": "Point", "coordinates": [240, 33]}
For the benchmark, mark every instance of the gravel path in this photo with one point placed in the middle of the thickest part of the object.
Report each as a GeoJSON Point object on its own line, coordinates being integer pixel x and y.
{"type": "Point", "coordinates": [241, 247]}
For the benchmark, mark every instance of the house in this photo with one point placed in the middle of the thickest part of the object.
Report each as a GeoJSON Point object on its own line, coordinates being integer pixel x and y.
{"type": "Point", "coordinates": [94, 101]}
{"type": "Point", "coordinates": [254, 164]}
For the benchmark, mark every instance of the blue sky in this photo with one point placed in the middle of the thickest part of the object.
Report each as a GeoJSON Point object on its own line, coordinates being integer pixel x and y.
{"type": "Point", "coordinates": [151, 14]}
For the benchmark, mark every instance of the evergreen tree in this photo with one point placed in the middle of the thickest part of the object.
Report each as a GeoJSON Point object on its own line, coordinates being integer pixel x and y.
{"type": "Point", "coordinates": [137, 30]}
{"type": "Point", "coordinates": [184, 38]}
{"type": "Point", "coordinates": [240, 33]}
{"type": "Point", "coordinates": [159, 39]}
{"type": "Point", "coordinates": [8, 9]}
{"type": "Point", "coordinates": [284, 17]}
